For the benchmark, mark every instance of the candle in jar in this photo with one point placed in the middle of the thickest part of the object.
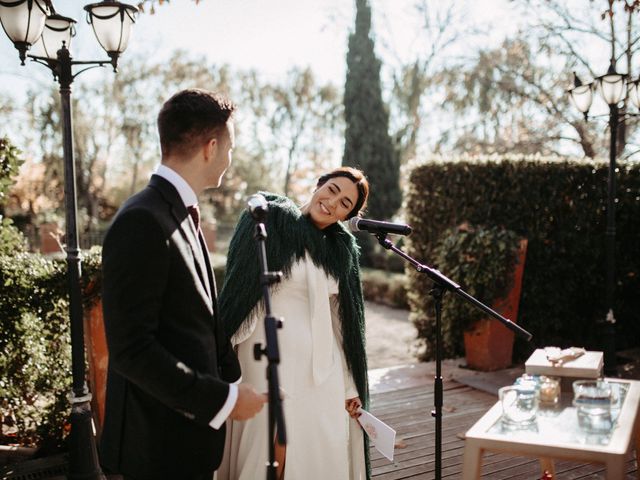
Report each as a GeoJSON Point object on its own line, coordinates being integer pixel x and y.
{"type": "Point", "coordinates": [550, 390]}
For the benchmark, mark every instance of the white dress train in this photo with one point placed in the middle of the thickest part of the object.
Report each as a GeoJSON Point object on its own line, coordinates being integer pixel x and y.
{"type": "Point", "coordinates": [323, 442]}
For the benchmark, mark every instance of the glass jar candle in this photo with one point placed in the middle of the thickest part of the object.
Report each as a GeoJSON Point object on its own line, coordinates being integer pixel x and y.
{"type": "Point", "coordinates": [549, 390]}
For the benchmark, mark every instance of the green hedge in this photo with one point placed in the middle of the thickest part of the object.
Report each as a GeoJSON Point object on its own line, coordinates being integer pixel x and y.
{"type": "Point", "coordinates": [11, 240]}
{"type": "Point", "coordinates": [10, 162]}
{"type": "Point", "coordinates": [559, 205]}
{"type": "Point", "coordinates": [384, 287]}
{"type": "Point", "coordinates": [35, 344]}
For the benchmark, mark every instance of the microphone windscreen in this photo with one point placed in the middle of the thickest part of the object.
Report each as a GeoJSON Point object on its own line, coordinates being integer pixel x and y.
{"type": "Point", "coordinates": [257, 206]}
{"type": "Point", "coordinates": [353, 224]}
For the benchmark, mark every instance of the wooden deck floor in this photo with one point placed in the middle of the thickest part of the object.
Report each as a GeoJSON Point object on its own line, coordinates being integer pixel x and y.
{"type": "Point", "coordinates": [408, 411]}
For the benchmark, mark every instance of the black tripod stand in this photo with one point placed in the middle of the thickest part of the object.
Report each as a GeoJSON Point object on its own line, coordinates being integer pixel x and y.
{"type": "Point", "coordinates": [441, 284]}
{"type": "Point", "coordinates": [258, 209]}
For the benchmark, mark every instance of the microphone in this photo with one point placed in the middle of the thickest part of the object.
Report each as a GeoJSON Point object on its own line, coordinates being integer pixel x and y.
{"type": "Point", "coordinates": [257, 207]}
{"type": "Point", "coordinates": [357, 224]}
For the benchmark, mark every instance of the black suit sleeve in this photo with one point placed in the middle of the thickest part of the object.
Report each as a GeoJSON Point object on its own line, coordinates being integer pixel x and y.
{"type": "Point", "coordinates": [136, 264]}
{"type": "Point", "coordinates": [228, 362]}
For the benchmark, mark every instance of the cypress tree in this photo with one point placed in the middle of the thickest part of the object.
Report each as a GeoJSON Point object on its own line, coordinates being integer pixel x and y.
{"type": "Point", "coordinates": [368, 145]}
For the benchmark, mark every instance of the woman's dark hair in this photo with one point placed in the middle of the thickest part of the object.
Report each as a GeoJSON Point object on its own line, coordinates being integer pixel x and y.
{"type": "Point", "coordinates": [357, 177]}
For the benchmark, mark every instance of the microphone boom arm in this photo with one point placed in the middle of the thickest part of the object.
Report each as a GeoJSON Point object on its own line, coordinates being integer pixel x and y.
{"type": "Point", "coordinates": [442, 284]}
{"type": "Point", "coordinates": [447, 284]}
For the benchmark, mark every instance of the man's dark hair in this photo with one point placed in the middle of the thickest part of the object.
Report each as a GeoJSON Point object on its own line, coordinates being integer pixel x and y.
{"type": "Point", "coordinates": [191, 117]}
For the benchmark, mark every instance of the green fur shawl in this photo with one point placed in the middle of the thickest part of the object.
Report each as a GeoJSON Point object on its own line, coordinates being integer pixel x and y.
{"type": "Point", "coordinates": [289, 235]}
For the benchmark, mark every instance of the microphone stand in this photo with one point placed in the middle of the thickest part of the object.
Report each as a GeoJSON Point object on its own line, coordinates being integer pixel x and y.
{"type": "Point", "coordinates": [441, 284]}
{"type": "Point", "coordinates": [271, 351]}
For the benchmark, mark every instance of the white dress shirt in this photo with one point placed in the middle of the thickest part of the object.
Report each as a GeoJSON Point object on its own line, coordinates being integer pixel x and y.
{"type": "Point", "coordinates": [189, 199]}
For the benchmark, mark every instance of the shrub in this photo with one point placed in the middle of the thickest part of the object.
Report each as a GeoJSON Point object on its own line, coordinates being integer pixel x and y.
{"type": "Point", "coordinates": [35, 341]}
{"type": "Point", "coordinates": [11, 240]}
{"type": "Point", "coordinates": [559, 206]}
{"type": "Point", "coordinates": [481, 260]}
{"type": "Point", "coordinates": [10, 161]}
{"type": "Point", "coordinates": [383, 287]}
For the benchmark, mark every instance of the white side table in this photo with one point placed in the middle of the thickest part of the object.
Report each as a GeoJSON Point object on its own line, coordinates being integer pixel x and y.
{"type": "Point", "coordinates": [557, 435]}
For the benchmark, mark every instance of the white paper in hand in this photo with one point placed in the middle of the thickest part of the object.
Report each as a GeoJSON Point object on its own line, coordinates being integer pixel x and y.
{"type": "Point", "coordinates": [381, 435]}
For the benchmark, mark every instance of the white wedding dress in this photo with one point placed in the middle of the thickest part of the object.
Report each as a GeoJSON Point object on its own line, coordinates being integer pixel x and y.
{"type": "Point", "coordinates": [323, 442]}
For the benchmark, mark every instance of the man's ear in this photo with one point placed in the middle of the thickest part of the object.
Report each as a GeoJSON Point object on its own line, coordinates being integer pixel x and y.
{"type": "Point", "coordinates": [210, 148]}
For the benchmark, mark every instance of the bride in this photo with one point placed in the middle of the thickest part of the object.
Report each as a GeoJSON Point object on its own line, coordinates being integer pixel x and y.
{"type": "Point", "coordinates": [323, 368]}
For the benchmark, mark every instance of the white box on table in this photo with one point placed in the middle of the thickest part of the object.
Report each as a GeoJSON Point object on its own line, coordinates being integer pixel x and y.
{"type": "Point", "coordinates": [588, 365]}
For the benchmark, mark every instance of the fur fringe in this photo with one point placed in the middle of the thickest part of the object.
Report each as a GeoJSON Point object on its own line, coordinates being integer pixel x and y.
{"type": "Point", "coordinates": [289, 235]}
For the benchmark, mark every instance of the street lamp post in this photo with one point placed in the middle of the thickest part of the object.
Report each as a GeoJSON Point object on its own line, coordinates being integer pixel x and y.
{"type": "Point", "coordinates": [612, 89]}
{"type": "Point", "coordinates": [34, 23]}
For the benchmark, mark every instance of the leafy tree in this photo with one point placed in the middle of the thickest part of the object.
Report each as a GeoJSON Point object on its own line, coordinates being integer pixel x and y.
{"type": "Point", "coordinates": [10, 161]}
{"type": "Point", "coordinates": [150, 5]}
{"type": "Point", "coordinates": [511, 103]}
{"type": "Point", "coordinates": [95, 132]}
{"type": "Point", "coordinates": [513, 98]}
{"type": "Point", "coordinates": [131, 90]}
{"type": "Point", "coordinates": [413, 91]}
{"type": "Point", "coordinates": [115, 141]}
{"type": "Point", "coordinates": [612, 25]}
{"type": "Point", "coordinates": [284, 130]}
{"type": "Point", "coordinates": [303, 119]}
{"type": "Point", "coordinates": [367, 142]}
{"type": "Point", "coordinates": [11, 241]}
{"type": "Point", "coordinates": [249, 171]}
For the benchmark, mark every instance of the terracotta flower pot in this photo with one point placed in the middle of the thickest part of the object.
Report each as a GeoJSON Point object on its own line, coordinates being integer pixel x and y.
{"type": "Point", "coordinates": [98, 359]}
{"type": "Point", "coordinates": [488, 344]}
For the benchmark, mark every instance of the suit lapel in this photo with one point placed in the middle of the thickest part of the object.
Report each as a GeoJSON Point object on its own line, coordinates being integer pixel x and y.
{"type": "Point", "coordinates": [220, 335]}
{"type": "Point", "coordinates": [187, 231]}
{"type": "Point", "coordinates": [211, 281]}
{"type": "Point", "coordinates": [198, 253]}
{"type": "Point", "coordinates": [207, 271]}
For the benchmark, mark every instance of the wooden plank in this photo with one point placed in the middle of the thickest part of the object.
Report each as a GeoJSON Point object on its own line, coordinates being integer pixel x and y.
{"type": "Point", "coordinates": [408, 411]}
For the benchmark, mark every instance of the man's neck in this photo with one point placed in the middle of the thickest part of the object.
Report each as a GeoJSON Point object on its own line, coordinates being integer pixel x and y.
{"type": "Point", "coordinates": [187, 193]}
{"type": "Point", "coordinates": [185, 168]}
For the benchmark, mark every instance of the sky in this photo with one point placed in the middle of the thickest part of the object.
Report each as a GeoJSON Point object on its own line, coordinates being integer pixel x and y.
{"type": "Point", "coordinates": [269, 36]}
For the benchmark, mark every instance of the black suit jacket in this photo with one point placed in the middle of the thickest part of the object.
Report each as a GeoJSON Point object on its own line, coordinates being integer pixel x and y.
{"type": "Point", "coordinates": [169, 360]}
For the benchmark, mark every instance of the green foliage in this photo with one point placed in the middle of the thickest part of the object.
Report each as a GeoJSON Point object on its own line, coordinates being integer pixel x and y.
{"type": "Point", "coordinates": [378, 286]}
{"type": "Point", "coordinates": [289, 127]}
{"type": "Point", "coordinates": [10, 162]}
{"type": "Point", "coordinates": [11, 240]}
{"type": "Point", "coordinates": [559, 206]}
{"type": "Point", "coordinates": [383, 287]}
{"type": "Point", "coordinates": [368, 145]}
{"type": "Point", "coordinates": [150, 5]}
{"type": "Point", "coordinates": [481, 259]}
{"type": "Point", "coordinates": [509, 88]}
{"type": "Point", "coordinates": [34, 339]}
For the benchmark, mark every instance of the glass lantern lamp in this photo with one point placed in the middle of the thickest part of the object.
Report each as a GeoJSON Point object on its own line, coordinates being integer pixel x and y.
{"type": "Point", "coordinates": [634, 93]}
{"type": "Point", "coordinates": [23, 22]}
{"type": "Point", "coordinates": [111, 22]}
{"type": "Point", "coordinates": [58, 31]}
{"type": "Point", "coordinates": [612, 87]}
{"type": "Point", "coordinates": [581, 95]}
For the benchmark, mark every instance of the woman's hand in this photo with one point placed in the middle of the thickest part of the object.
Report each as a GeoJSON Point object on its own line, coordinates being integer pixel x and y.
{"type": "Point", "coordinates": [352, 405]}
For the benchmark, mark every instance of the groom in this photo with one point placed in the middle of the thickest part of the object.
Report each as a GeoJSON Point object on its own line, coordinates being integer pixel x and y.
{"type": "Point", "coordinates": [173, 377]}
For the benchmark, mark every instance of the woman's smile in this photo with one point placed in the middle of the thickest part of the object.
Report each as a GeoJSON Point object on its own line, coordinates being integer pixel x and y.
{"type": "Point", "coordinates": [324, 209]}
{"type": "Point", "coordinates": [332, 202]}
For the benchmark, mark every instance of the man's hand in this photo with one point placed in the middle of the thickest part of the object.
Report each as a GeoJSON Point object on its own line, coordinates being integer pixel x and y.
{"type": "Point", "coordinates": [249, 403]}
